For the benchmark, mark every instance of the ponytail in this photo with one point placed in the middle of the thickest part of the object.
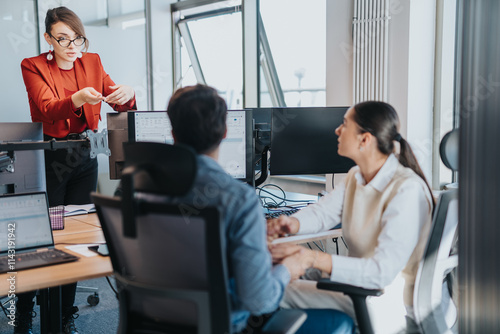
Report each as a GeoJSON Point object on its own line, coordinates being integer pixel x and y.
{"type": "Point", "coordinates": [381, 120]}
{"type": "Point", "coordinates": [408, 159]}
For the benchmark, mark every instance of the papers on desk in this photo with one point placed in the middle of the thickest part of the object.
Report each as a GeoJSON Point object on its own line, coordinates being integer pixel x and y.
{"type": "Point", "coordinates": [73, 210]}
{"type": "Point", "coordinates": [82, 249]}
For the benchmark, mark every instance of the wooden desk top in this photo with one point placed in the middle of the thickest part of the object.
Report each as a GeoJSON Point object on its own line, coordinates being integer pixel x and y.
{"type": "Point", "coordinates": [90, 219]}
{"type": "Point", "coordinates": [76, 231]}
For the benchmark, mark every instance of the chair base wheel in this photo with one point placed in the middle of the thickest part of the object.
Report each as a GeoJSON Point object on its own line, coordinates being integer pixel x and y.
{"type": "Point", "coordinates": [93, 300]}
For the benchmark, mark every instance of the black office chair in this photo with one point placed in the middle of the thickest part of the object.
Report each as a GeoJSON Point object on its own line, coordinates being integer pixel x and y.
{"type": "Point", "coordinates": [434, 309]}
{"type": "Point", "coordinates": [169, 260]}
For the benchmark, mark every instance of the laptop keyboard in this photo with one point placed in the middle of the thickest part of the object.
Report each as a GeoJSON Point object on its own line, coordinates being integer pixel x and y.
{"type": "Point", "coordinates": [276, 214]}
{"type": "Point", "coordinates": [36, 259]}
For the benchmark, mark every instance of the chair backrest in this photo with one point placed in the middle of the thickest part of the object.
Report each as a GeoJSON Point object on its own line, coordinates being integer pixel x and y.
{"type": "Point", "coordinates": [160, 168]}
{"type": "Point", "coordinates": [448, 149]}
{"type": "Point", "coordinates": [157, 169]}
{"type": "Point", "coordinates": [168, 259]}
{"type": "Point", "coordinates": [434, 309]}
{"type": "Point", "coordinates": [173, 270]}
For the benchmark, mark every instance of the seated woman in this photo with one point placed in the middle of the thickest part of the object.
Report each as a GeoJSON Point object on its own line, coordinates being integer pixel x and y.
{"type": "Point", "coordinates": [385, 205]}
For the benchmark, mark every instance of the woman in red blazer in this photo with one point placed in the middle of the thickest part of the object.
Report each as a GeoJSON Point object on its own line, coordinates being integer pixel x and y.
{"type": "Point", "coordinates": [65, 90]}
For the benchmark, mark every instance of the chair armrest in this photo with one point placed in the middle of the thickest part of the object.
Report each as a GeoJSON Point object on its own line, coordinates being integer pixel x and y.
{"type": "Point", "coordinates": [326, 284]}
{"type": "Point", "coordinates": [284, 322]}
{"type": "Point", "coordinates": [358, 296]}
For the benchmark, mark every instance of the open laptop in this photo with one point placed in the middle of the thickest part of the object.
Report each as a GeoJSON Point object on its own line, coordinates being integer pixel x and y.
{"type": "Point", "coordinates": [26, 235]}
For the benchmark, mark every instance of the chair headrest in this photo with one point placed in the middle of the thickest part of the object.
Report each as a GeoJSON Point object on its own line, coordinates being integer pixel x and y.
{"type": "Point", "coordinates": [154, 168]}
{"type": "Point", "coordinates": [160, 168]}
{"type": "Point", "coordinates": [448, 149]}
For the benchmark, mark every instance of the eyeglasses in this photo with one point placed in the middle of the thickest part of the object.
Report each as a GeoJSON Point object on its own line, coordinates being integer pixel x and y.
{"type": "Point", "coordinates": [65, 43]}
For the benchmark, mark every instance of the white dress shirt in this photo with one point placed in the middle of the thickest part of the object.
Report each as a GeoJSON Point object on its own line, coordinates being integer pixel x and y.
{"type": "Point", "coordinates": [402, 223]}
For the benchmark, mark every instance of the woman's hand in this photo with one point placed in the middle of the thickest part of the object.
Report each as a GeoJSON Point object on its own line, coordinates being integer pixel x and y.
{"type": "Point", "coordinates": [86, 95]}
{"type": "Point", "coordinates": [281, 226]}
{"type": "Point", "coordinates": [121, 95]}
{"type": "Point", "coordinates": [295, 258]}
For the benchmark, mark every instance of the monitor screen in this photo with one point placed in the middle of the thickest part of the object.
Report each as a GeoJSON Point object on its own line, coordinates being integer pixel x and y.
{"type": "Point", "coordinates": [26, 173]}
{"type": "Point", "coordinates": [150, 126]}
{"type": "Point", "coordinates": [304, 141]}
{"type": "Point", "coordinates": [235, 154]}
{"type": "Point", "coordinates": [236, 150]}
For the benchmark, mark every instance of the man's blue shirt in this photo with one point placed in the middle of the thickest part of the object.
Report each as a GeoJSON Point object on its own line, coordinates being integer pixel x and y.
{"type": "Point", "coordinates": [255, 285]}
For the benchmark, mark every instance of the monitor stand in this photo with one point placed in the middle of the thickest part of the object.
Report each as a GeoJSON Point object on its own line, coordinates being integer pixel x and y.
{"type": "Point", "coordinates": [263, 167]}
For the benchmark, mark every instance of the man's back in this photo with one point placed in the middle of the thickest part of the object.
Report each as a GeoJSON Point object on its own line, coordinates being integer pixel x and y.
{"type": "Point", "coordinates": [255, 286]}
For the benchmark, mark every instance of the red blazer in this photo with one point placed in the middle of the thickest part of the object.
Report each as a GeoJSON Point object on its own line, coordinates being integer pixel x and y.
{"type": "Point", "coordinates": [48, 102]}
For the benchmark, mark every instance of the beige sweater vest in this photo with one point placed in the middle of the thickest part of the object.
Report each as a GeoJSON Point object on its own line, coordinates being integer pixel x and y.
{"type": "Point", "coordinates": [362, 222]}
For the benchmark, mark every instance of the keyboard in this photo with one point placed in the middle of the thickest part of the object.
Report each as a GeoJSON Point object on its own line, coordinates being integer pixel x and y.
{"type": "Point", "coordinates": [276, 214]}
{"type": "Point", "coordinates": [36, 259]}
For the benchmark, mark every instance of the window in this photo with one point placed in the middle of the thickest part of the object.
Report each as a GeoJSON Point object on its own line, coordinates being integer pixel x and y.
{"type": "Point", "coordinates": [295, 31]}
{"type": "Point", "coordinates": [208, 46]}
{"type": "Point", "coordinates": [209, 49]}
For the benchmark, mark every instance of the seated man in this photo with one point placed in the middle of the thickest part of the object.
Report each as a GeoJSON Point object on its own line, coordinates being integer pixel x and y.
{"type": "Point", "coordinates": [198, 118]}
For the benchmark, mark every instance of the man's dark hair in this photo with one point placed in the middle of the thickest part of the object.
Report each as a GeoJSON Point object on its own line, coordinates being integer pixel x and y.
{"type": "Point", "coordinates": [198, 117]}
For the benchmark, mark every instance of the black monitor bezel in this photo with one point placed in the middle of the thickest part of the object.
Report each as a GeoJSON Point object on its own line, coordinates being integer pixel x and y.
{"type": "Point", "coordinates": [341, 166]}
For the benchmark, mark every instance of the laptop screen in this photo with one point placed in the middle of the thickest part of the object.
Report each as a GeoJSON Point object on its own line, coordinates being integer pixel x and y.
{"type": "Point", "coordinates": [24, 221]}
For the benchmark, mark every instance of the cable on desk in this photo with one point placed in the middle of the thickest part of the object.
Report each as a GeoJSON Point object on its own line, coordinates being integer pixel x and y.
{"type": "Point", "coordinates": [275, 205]}
{"type": "Point", "coordinates": [272, 204]}
{"type": "Point", "coordinates": [283, 199]}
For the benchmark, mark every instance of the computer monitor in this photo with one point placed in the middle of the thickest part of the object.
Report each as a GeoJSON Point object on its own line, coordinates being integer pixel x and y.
{"type": "Point", "coordinates": [304, 141]}
{"type": "Point", "coordinates": [236, 150]}
{"type": "Point", "coordinates": [25, 170]}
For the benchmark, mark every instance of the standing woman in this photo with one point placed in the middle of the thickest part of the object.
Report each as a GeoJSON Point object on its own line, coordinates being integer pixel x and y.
{"type": "Point", "coordinates": [385, 206]}
{"type": "Point", "coordinates": [65, 89]}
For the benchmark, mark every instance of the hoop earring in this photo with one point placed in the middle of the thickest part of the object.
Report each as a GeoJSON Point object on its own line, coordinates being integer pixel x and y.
{"type": "Point", "coordinates": [49, 55]}
{"type": "Point", "coordinates": [361, 148]}
{"type": "Point", "coordinates": [80, 54]}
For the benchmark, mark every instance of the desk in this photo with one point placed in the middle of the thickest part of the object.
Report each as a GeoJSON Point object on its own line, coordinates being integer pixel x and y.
{"type": "Point", "coordinates": [77, 230]}
{"type": "Point", "coordinates": [305, 238]}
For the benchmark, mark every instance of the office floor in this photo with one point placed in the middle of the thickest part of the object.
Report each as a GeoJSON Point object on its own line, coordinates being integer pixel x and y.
{"type": "Point", "coordinates": [100, 319]}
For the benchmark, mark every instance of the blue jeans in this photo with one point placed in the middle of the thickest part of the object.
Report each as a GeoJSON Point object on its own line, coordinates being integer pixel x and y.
{"type": "Point", "coordinates": [326, 321]}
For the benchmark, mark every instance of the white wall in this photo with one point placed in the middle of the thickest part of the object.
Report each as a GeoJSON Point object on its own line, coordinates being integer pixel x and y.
{"type": "Point", "coordinates": [411, 67]}
{"type": "Point", "coordinates": [339, 67]}
{"type": "Point", "coordinates": [18, 40]}
{"type": "Point", "coordinates": [161, 24]}
{"type": "Point", "coordinates": [411, 73]}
